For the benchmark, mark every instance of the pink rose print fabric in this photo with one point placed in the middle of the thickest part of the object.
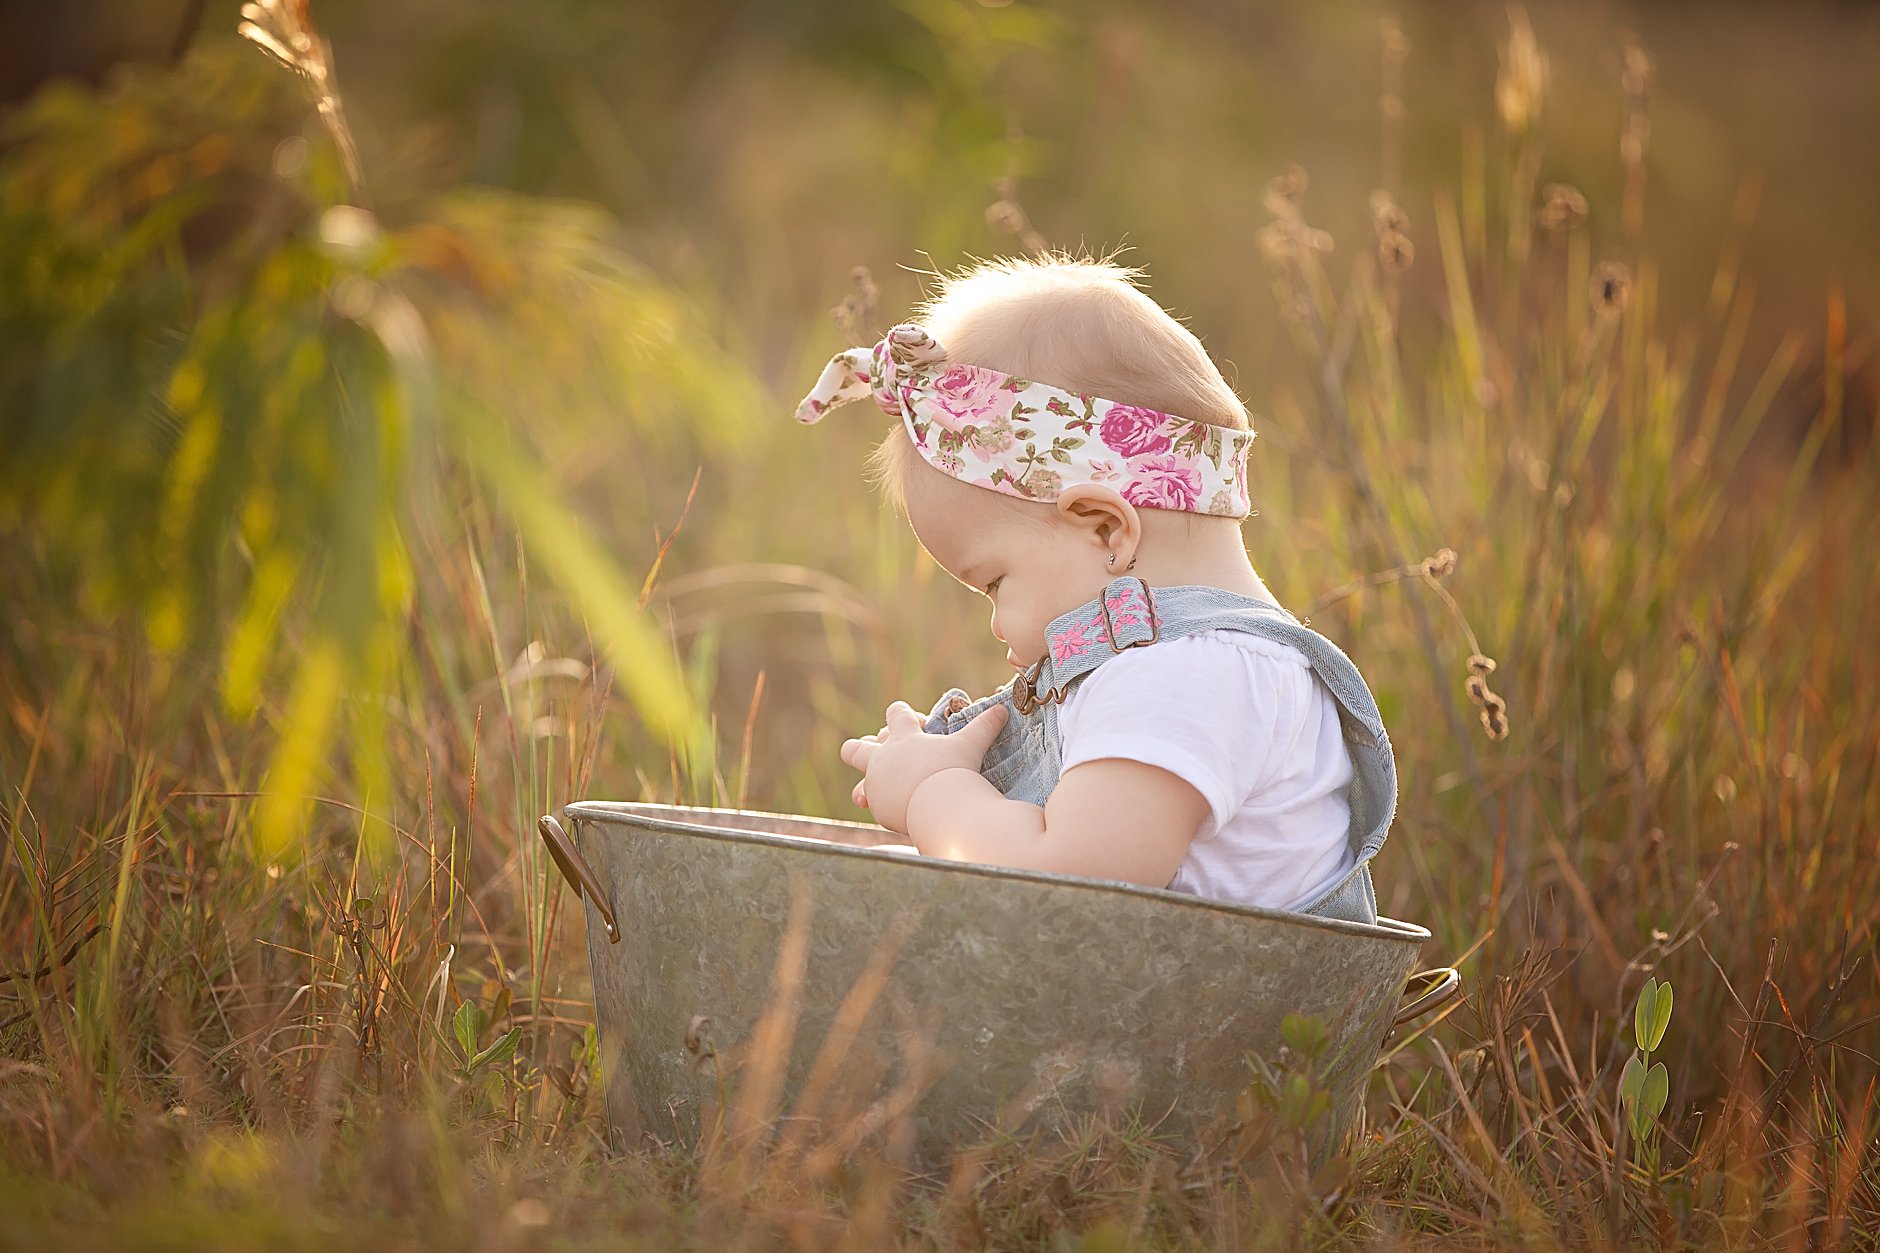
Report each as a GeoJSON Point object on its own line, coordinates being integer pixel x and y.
{"type": "Point", "coordinates": [1031, 439]}
{"type": "Point", "coordinates": [1133, 431]}
{"type": "Point", "coordinates": [1162, 482]}
{"type": "Point", "coordinates": [965, 395]}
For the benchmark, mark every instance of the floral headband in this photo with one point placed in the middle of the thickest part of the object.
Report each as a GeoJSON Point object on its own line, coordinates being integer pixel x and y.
{"type": "Point", "coordinates": [1030, 439]}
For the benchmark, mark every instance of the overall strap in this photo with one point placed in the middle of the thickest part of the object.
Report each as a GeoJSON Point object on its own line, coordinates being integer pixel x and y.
{"type": "Point", "coordinates": [1373, 793]}
{"type": "Point", "coordinates": [1025, 762]}
{"type": "Point", "coordinates": [1171, 613]}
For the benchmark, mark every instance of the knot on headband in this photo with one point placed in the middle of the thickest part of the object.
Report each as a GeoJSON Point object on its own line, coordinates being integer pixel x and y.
{"type": "Point", "coordinates": [885, 371]}
{"type": "Point", "coordinates": [1030, 439]}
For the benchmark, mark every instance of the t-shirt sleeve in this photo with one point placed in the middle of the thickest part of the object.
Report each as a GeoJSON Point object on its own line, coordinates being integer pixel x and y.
{"type": "Point", "coordinates": [1206, 710]}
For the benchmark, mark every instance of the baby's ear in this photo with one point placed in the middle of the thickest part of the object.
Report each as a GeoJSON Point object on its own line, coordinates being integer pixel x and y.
{"type": "Point", "coordinates": [1101, 509]}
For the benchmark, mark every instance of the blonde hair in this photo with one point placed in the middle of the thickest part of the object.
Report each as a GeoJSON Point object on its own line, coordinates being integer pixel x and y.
{"type": "Point", "coordinates": [1075, 322]}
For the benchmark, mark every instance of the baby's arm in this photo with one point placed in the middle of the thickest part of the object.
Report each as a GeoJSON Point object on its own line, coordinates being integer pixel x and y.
{"type": "Point", "coordinates": [1107, 819]}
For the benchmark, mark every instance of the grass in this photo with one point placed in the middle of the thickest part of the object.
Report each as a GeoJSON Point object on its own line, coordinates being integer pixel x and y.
{"type": "Point", "coordinates": [1634, 706]}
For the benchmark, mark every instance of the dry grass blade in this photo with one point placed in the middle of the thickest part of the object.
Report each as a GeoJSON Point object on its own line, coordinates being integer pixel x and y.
{"type": "Point", "coordinates": [284, 30]}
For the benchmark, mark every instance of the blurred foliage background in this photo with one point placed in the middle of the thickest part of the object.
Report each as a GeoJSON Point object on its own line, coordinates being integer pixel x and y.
{"type": "Point", "coordinates": [351, 518]}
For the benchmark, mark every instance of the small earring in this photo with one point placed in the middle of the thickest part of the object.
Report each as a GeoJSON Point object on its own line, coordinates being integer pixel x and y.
{"type": "Point", "coordinates": [1130, 566]}
{"type": "Point", "coordinates": [1112, 561]}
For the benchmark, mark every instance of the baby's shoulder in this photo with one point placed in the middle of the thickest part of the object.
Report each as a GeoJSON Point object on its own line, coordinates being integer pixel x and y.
{"type": "Point", "coordinates": [1218, 648]}
{"type": "Point", "coordinates": [1256, 648]}
{"type": "Point", "coordinates": [1220, 660]}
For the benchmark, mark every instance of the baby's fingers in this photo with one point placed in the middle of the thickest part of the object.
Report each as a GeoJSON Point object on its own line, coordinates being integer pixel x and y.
{"type": "Point", "coordinates": [859, 796]}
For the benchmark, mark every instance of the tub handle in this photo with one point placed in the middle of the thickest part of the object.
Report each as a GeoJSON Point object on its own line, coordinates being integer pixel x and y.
{"type": "Point", "coordinates": [1439, 988]}
{"type": "Point", "coordinates": [579, 874]}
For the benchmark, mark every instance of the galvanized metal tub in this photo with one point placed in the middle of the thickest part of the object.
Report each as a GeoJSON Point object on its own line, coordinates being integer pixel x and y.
{"type": "Point", "coordinates": [1033, 998]}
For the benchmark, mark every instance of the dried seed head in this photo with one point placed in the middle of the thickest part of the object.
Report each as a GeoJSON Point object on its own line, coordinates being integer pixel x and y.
{"type": "Point", "coordinates": [1387, 216]}
{"type": "Point", "coordinates": [853, 314]}
{"type": "Point", "coordinates": [1610, 289]}
{"type": "Point", "coordinates": [1396, 44]}
{"type": "Point", "coordinates": [1495, 717]}
{"type": "Point", "coordinates": [1284, 191]}
{"type": "Point", "coordinates": [1395, 253]}
{"type": "Point", "coordinates": [1389, 223]}
{"type": "Point", "coordinates": [1523, 77]}
{"type": "Point", "coordinates": [1318, 240]}
{"type": "Point", "coordinates": [1562, 208]}
{"type": "Point", "coordinates": [1441, 564]}
{"type": "Point", "coordinates": [1493, 709]}
{"type": "Point", "coordinates": [1637, 74]}
{"type": "Point", "coordinates": [1275, 243]}
{"type": "Point", "coordinates": [1005, 215]}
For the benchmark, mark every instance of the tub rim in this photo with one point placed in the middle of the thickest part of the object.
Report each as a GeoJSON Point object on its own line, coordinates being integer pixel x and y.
{"type": "Point", "coordinates": [663, 818]}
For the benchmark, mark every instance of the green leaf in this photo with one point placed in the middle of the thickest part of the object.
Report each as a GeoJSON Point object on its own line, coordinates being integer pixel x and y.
{"type": "Point", "coordinates": [468, 1024]}
{"type": "Point", "coordinates": [587, 1053]}
{"type": "Point", "coordinates": [1661, 1016]}
{"type": "Point", "coordinates": [1631, 1079]}
{"type": "Point", "coordinates": [1643, 1013]}
{"type": "Point", "coordinates": [1304, 1036]}
{"type": "Point", "coordinates": [251, 642]}
{"type": "Point", "coordinates": [1657, 1088]}
{"type": "Point", "coordinates": [1296, 1101]}
{"type": "Point", "coordinates": [499, 1052]}
{"type": "Point", "coordinates": [299, 758]}
{"type": "Point", "coordinates": [1637, 1122]}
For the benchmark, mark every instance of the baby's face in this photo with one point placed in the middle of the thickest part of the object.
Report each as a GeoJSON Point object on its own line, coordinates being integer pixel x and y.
{"type": "Point", "coordinates": [1031, 571]}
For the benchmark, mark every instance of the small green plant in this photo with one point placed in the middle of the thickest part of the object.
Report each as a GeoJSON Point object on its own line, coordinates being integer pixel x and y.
{"type": "Point", "coordinates": [1644, 1084]}
{"type": "Point", "coordinates": [1293, 1095]}
{"type": "Point", "coordinates": [1285, 1114]}
{"type": "Point", "coordinates": [482, 1068]}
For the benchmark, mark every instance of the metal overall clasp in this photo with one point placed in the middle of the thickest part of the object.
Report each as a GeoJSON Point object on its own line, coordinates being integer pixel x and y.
{"type": "Point", "coordinates": [1025, 695]}
{"type": "Point", "coordinates": [1026, 698]}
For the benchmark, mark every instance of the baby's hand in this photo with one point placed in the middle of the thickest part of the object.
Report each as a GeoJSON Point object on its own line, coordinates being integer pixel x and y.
{"type": "Point", "coordinates": [858, 793]}
{"type": "Point", "coordinates": [901, 756]}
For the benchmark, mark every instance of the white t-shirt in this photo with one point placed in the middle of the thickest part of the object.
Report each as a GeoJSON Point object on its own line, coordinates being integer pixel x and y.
{"type": "Point", "coordinates": [1245, 721]}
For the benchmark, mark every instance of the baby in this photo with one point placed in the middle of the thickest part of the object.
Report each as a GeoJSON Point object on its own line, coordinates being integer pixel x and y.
{"type": "Point", "coordinates": [1067, 449]}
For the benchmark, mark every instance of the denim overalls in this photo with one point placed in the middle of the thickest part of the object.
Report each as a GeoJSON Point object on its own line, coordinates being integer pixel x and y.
{"type": "Point", "coordinates": [1024, 761]}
